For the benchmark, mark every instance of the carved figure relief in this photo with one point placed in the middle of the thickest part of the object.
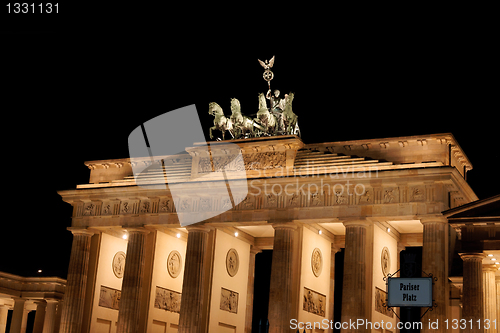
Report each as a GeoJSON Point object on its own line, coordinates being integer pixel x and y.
{"type": "Point", "coordinates": [340, 197]}
{"type": "Point", "coordinates": [119, 264]}
{"type": "Point", "coordinates": [126, 207]}
{"type": "Point", "coordinates": [232, 262]}
{"type": "Point", "coordinates": [165, 206]}
{"type": "Point", "coordinates": [294, 200]}
{"type": "Point", "coordinates": [418, 193]}
{"type": "Point", "coordinates": [168, 300]}
{"type": "Point", "coordinates": [385, 260]}
{"type": "Point", "coordinates": [205, 204]}
{"type": "Point", "coordinates": [317, 262]}
{"type": "Point", "coordinates": [380, 300]}
{"type": "Point", "coordinates": [229, 300]}
{"type": "Point", "coordinates": [314, 302]}
{"type": "Point", "coordinates": [145, 207]}
{"type": "Point", "coordinates": [271, 200]}
{"type": "Point", "coordinates": [391, 195]}
{"type": "Point", "coordinates": [366, 198]}
{"type": "Point", "coordinates": [226, 204]}
{"type": "Point", "coordinates": [174, 263]}
{"type": "Point", "coordinates": [106, 209]}
{"type": "Point", "coordinates": [316, 199]}
{"type": "Point", "coordinates": [247, 203]}
{"type": "Point", "coordinates": [110, 298]}
{"type": "Point", "coordinates": [89, 209]}
{"type": "Point", "coordinates": [185, 205]}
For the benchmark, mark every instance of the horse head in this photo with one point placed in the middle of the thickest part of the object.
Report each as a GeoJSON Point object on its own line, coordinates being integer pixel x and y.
{"type": "Point", "coordinates": [262, 101]}
{"type": "Point", "coordinates": [235, 105]}
{"type": "Point", "coordinates": [214, 108]}
{"type": "Point", "coordinates": [289, 98]}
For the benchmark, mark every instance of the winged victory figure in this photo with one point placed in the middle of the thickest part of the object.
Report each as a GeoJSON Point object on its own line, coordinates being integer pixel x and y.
{"type": "Point", "coordinates": [267, 64]}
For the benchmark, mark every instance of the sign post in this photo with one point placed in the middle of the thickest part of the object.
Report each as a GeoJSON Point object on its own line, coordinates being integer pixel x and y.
{"type": "Point", "coordinates": [409, 292]}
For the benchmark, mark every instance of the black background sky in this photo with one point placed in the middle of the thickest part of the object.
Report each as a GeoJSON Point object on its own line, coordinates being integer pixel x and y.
{"type": "Point", "coordinates": [73, 91]}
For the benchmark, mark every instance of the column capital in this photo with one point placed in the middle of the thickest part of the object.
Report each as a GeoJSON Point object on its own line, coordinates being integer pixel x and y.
{"type": "Point", "coordinates": [489, 268]}
{"type": "Point", "coordinates": [433, 219]}
{"type": "Point", "coordinates": [138, 230]}
{"type": "Point", "coordinates": [284, 225]}
{"type": "Point", "coordinates": [335, 248]}
{"type": "Point", "coordinates": [199, 227]}
{"type": "Point", "coordinates": [472, 256]}
{"type": "Point", "coordinates": [254, 249]}
{"type": "Point", "coordinates": [357, 222]}
{"type": "Point", "coordinates": [80, 231]}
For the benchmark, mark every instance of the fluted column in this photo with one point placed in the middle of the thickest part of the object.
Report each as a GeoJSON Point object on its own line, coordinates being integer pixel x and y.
{"type": "Point", "coordinates": [473, 298]}
{"type": "Point", "coordinates": [250, 288]}
{"type": "Point", "coordinates": [280, 294]}
{"type": "Point", "coordinates": [434, 253]}
{"type": "Point", "coordinates": [330, 299]}
{"type": "Point", "coordinates": [19, 315]}
{"type": "Point", "coordinates": [130, 301]}
{"type": "Point", "coordinates": [39, 316]}
{"type": "Point", "coordinates": [50, 315]}
{"type": "Point", "coordinates": [4, 311]}
{"type": "Point", "coordinates": [74, 297]}
{"type": "Point", "coordinates": [497, 282]}
{"type": "Point", "coordinates": [356, 294]}
{"type": "Point", "coordinates": [191, 316]}
{"type": "Point", "coordinates": [490, 296]}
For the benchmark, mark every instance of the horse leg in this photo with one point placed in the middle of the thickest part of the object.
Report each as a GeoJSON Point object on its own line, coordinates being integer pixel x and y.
{"type": "Point", "coordinates": [212, 128]}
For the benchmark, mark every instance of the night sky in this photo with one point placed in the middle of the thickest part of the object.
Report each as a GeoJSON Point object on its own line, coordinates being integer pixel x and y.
{"type": "Point", "coordinates": [73, 93]}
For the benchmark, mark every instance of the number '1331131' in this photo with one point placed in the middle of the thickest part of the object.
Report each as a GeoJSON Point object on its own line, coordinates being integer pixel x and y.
{"type": "Point", "coordinates": [33, 8]}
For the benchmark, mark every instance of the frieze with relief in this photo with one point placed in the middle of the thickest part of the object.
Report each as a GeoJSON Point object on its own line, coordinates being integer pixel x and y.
{"type": "Point", "coordinates": [229, 300]}
{"type": "Point", "coordinates": [168, 300]}
{"type": "Point", "coordinates": [314, 302]}
{"type": "Point", "coordinates": [109, 298]}
{"type": "Point", "coordinates": [259, 161]}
